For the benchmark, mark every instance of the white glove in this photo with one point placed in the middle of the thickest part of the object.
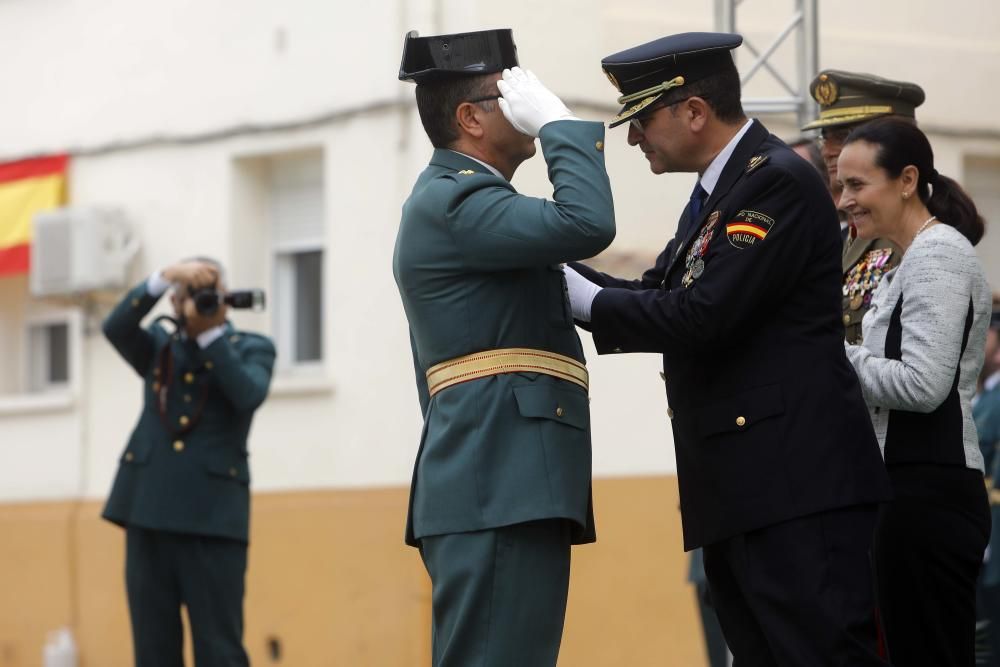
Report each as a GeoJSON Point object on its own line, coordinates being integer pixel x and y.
{"type": "Point", "coordinates": [581, 294]}
{"type": "Point", "coordinates": [527, 104]}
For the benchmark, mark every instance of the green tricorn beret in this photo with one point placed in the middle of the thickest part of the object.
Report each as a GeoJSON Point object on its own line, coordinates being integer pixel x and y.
{"type": "Point", "coordinates": [846, 98]}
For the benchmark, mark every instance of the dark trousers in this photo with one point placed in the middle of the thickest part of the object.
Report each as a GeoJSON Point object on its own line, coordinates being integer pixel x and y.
{"type": "Point", "coordinates": [715, 640]}
{"type": "Point", "coordinates": [929, 546]}
{"type": "Point", "coordinates": [499, 596]}
{"type": "Point", "coordinates": [798, 593]}
{"type": "Point", "coordinates": [206, 575]}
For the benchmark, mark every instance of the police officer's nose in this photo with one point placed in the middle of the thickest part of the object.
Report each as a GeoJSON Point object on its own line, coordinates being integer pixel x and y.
{"type": "Point", "coordinates": [634, 134]}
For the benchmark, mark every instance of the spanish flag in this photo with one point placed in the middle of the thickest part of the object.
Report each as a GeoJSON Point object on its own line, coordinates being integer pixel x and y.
{"type": "Point", "coordinates": [26, 188]}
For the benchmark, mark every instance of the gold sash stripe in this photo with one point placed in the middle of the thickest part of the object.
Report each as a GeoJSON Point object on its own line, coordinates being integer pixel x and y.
{"type": "Point", "coordinates": [505, 360]}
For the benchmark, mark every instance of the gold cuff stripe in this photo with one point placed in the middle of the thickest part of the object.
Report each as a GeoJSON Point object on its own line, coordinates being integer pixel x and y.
{"type": "Point", "coordinates": [654, 90]}
{"type": "Point", "coordinates": [853, 111]}
{"type": "Point", "coordinates": [505, 360]}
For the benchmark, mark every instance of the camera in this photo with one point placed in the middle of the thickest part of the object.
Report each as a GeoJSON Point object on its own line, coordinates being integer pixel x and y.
{"type": "Point", "coordinates": [208, 299]}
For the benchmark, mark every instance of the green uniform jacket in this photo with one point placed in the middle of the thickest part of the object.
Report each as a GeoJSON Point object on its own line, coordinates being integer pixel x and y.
{"type": "Point", "coordinates": [478, 268]}
{"type": "Point", "coordinates": [858, 301]}
{"type": "Point", "coordinates": [185, 471]}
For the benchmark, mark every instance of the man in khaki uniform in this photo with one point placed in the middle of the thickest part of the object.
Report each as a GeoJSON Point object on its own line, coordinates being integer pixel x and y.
{"type": "Point", "coordinates": [847, 100]}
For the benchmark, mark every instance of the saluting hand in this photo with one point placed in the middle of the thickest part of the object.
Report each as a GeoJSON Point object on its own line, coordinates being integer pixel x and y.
{"type": "Point", "coordinates": [527, 104]}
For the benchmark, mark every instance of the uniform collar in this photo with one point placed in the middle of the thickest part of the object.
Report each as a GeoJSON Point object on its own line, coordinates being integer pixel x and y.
{"type": "Point", "coordinates": [710, 178]}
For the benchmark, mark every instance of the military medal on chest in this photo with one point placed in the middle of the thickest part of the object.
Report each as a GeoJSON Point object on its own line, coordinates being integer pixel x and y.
{"type": "Point", "coordinates": [694, 262]}
{"type": "Point", "coordinates": [864, 277]}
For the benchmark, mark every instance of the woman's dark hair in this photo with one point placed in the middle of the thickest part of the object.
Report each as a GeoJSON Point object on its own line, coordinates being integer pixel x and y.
{"type": "Point", "coordinates": [899, 144]}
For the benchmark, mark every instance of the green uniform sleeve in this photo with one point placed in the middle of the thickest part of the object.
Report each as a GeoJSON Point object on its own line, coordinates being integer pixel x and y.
{"type": "Point", "coordinates": [242, 364]}
{"type": "Point", "coordinates": [124, 331]}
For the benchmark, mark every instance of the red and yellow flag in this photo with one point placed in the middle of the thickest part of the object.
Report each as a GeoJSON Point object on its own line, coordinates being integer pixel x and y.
{"type": "Point", "coordinates": [26, 188]}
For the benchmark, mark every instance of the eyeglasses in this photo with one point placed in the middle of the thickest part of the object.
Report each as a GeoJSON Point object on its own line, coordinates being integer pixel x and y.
{"type": "Point", "coordinates": [834, 134]}
{"type": "Point", "coordinates": [485, 98]}
{"type": "Point", "coordinates": [637, 120]}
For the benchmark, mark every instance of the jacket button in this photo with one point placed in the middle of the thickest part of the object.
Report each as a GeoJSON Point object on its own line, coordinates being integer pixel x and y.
{"type": "Point", "coordinates": [135, 302]}
{"type": "Point", "coordinates": [208, 365]}
{"type": "Point", "coordinates": [559, 411]}
{"type": "Point", "coordinates": [599, 145]}
{"type": "Point", "coordinates": [129, 456]}
{"type": "Point", "coordinates": [178, 445]}
{"type": "Point", "coordinates": [187, 398]}
{"type": "Point", "coordinates": [847, 318]}
{"type": "Point", "coordinates": [670, 413]}
{"type": "Point", "coordinates": [189, 378]}
{"type": "Point", "coordinates": [741, 421]}
{"type": "Point", "coordinates": [184, 421]}
{"type": "Point", "coordinates": [232, 472]}
{"type": "Point", "coordinates": [234, 338]}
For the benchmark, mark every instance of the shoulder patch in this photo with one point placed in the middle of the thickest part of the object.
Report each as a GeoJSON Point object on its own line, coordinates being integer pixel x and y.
{"type": "Point", "coordinates": [748, 228]}
{"type": "Point", "coordinates": [757, 161]}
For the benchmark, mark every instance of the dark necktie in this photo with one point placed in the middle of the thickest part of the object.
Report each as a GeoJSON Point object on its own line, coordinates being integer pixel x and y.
{"type": "Point", "coordinates": [694, 209]}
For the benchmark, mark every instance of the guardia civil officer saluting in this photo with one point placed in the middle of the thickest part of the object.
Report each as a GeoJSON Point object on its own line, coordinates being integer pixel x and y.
{"type": "Point", "coordinates": [182, 489]}
{"type": "Point", "coordinates": [501, 485]}
{"type": "Point", "coordinates": [777, 462]}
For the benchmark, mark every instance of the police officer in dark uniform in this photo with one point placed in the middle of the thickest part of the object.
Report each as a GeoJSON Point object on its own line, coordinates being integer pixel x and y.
{"type": "Point", "coordinates": [847, 100]}
{"type": "Point", "coordinates": [182, 489]}
{"type": "Point", "coordinates": [777, 462]}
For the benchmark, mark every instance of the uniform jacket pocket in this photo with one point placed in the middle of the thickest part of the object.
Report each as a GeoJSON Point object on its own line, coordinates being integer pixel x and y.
{"type": "Point", "coordinates": [741, 412]}
{"type": "Point", "coordinates": [544, 401]}
{"type": "Point", "coordinates": [231, 465]}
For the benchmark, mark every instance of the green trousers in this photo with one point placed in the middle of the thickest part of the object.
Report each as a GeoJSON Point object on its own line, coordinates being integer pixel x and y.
{"type": "Point", "coordinates": [164, 571]}
{"type": "Point", "coordinates": [499, 596]}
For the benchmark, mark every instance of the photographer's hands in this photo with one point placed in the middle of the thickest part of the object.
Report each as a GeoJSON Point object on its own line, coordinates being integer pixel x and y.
{"type": "Point", "coordinates": [187, 277]}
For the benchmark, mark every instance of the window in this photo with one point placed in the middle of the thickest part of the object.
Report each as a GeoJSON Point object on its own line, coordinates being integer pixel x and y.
{"type": "Point", "coordinates": [298, 236]}
{"type": "Point", "coordinates": [981, 177]}
{"type": "Point", "coordinates": [50, 342]}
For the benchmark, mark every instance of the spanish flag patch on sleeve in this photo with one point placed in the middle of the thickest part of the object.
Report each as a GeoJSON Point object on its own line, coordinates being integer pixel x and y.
{"type": "Point", "coordinates": [748, 228]}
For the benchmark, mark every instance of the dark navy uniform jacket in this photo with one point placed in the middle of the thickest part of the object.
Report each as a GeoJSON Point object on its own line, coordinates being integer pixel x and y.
{"type": "Point", "coordinates": [184, 469]}
{"type": "Point", "coordinates": [768, 418]}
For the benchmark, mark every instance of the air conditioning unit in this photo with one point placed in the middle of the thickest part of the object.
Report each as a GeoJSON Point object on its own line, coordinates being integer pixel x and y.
{"type": "Point", "coordinates": [77, 250]}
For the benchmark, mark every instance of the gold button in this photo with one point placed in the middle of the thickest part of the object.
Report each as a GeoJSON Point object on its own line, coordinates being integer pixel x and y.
{"type": "Point", "coordinates": [847, 318]}
{"type": "Point", "coordinates": [135, 302]}
{"type": "Point", "coordinates": [156, 386]}
{"type": "Point", "coordinates": [156, 372]}
{"type": "Point", "coordinates": [184, 420]}
{"type": "Point", "coordinates": [208, 365]}
{"type": "Point", "coordinates": [232, 472]}
{"type": "Point", "coordinates": [187, 398]}
{"type": "Point", "coordinates": [189, 378]}
{"type": "Point", "coordinates": [599, 145]}
{"type": "Point", "coordinates": [559, 411]}
{"type": "Point", "coordinates": [670, 413]}
{"type": "Point", "coordinates": [178, 445]}
{"type": "Point", "coordinates": [741, 421]}
{"type": "Point", "coordinates": [129, 456]}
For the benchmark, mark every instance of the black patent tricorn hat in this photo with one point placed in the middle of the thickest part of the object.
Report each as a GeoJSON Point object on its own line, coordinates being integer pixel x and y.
{"type": "Point", "coordinates": [644, 73]}
{"type": "Point", "coordinates": [442, 57]}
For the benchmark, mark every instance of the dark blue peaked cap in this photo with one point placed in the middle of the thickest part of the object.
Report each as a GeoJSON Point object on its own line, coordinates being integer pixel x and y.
{"type": "Point", "coordinates": [644, 73]}
{"type": "Point", "coordinates": [442, 57]}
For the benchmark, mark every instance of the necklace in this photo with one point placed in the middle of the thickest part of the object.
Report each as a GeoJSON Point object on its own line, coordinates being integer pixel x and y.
{"type": "Point", "coordinates": [924, 226]}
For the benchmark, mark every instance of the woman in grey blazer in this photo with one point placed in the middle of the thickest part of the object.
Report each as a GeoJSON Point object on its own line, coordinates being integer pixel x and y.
{"type": "Point", "coordinates": [922, 350]}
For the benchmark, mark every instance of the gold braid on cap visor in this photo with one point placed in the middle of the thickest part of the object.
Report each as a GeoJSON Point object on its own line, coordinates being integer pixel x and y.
{"type": "Point", "coordinates": [647, 96]}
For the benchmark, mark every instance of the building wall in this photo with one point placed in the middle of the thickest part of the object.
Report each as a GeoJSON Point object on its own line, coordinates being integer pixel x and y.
{"type": "Point", "coordinates": [173, 112]}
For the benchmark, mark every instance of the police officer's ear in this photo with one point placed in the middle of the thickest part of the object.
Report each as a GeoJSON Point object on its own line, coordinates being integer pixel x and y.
{"type": "Point", "coordinates": [696, 112]}
{"type": "Point", "coordinates": [467, 117]}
